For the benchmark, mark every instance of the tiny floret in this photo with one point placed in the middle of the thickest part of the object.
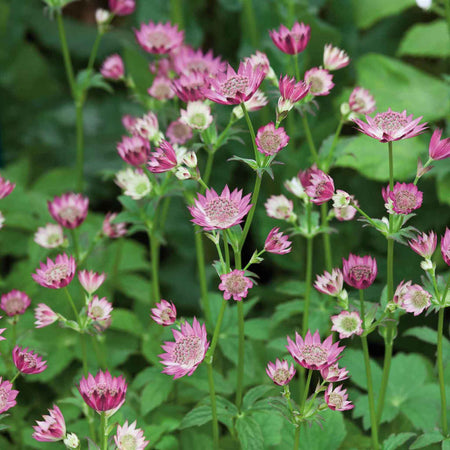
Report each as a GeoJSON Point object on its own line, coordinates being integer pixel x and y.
{"type": "Point", "coordinates": [281, 373]}
{"type": "Point", "coordinates": [235, 285]}
{"type": "Point", "coordinates": [164, 313]}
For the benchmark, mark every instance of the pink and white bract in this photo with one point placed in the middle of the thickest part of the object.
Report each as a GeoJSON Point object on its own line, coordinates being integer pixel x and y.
{"type": "Point", "coordinates": [6, 187]}
{"type": "Point", "coordinates": [113, 68]}
{"type": "Point", "coordinates": [320, 81]}
{"type": "Point", "coordinates": [412, 297]}
{"type": "Point", "coordinates": [445, 246]}
{"type": "Point", "coordinates": [99, 309]}
{"type": "Point", "coordinates": [128, 437]}
{"type": "Point", "coordinates": [184, 355]}
{"type": "Point", "coordinates": [334, 58]}
{"type": "Point", "coordinates": [159, 38]}
{"type": "Point", "coordinates": [134, 182]}
{"type": "Point", "coordinates": [330, 283]}
{"type": "Point", "coordinates": [50, 236]}
{"type": "Point", "coordinates": [277, 242]}
{"type": "Point", "coordinates": [361, 101]}
{"type": "Point", "coordinates": [163, 158]}
{"type": "Point", "coordinates": [279, 207]}
{"type": "Point", "coordinates": [347, 324]}
{"type": "Point", "coordinates": [336, 399]}
{"type": "Point", "coordinates": [189, 88]}
{"type": "Point", "coordinates": [291, 92]}
{"type": "Point", "coordinates": [359, 271]}
{"type": "Point", "coordinates": [44, 316]}
{"type": "Point", "coordinates": [439, 149]}
{"type": "Point", "coordinates": [270, 140]}
{"type": "Point", "coordinates": [164, 313]}
{"type": "Point", "coordinates": [291, 41]}
{"type": "Point", "coordinates": [7, 395]}
{"type": "Point", "coordinates": [28, 362]}
{"type": "Point", "coordinates": [260, 61]}
{"type": "Point", "coordinates": [334, 373]}
{"type": "Point", "coordinates": [197, 115]}
{"type": "Point", "coordinates": [235, 284]}
{"type": "Point", "coordinates": [90, 280]}
{"type": "Point", "coordinates": [69, 210]}
{"type": "Point", "coordinates": [112, 229]}
{"type": "Point", "coordinates": [57, 274]}
{"type": "Point", "coordinates": [134, 150]}
{"type": "Point", "coordinates": [319, 186]}
{"type": "Point", "coordinates": [122, 7]}
{"type": "Point", "coordinates": [161, 88]}
{"type": "Point", "coordinates": [15, 303]}
{"type": "Point", "coordinates": [187, 61]}
{"type": "Point", "coordinates": [424, 244]}
{"type": "Point", "coordinates": [52, 428]}
{"type": "Point", "coordinates": [146, 126]}
{"type": "Point", "coordinates": [280, 372]}
{"type": "Point", "coordinates": [178, 132]}
{"type": "Point", "coordinates": [404, 199]}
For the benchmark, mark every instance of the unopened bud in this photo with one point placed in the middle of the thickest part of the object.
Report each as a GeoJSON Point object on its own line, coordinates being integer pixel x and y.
{"type": "Point", "coordinates": [183, 173]}
{"type": "Point", "coordinates": [101, 16]}
{"type": "Point", "coordinates": [345, 109]}
{"type": "Point", "coordinates": [190, 159]}
{"type": "Point", "coordinates": [427, 265]}
{"type": "Point", "coordinates": [71, 441]}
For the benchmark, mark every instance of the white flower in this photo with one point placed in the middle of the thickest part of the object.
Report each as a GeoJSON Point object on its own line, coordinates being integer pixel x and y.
{"type": "Point", "coordinates": [197, 115]}
{"type": "Point", "coordinates": [424, 4]}
{"type": "Point", "coordinates": [50, 236]}
{"type": "Point", "coordinates": [134, 183]}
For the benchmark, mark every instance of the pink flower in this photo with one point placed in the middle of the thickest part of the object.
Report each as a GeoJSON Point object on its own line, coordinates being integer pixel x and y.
{"type": "Point", "coordinates": [111, 229]}
{"type": "Point", "coordinates": [189, 88]}
{"type": "Point", "coordinates": [99, 309]}
{"type": "Point", "coordinates": [52, 428]}
{"type": "Point", "coordinates": [214, 212]}
{"type": "Point", "coordinates": [445, 247]}
{"type": "Point", "coordinates": [334, 58]}
{"type": "Point", "coordinates": [404, 199]}
{"type": "Point", "coordinates": [134, 150]}
{"type": "Point", "coordinates": [279, 207]}
{"type": "Point", "coordinates": [291, 41]}
{"type": "Point", "coordinates": [146, 126]}
{"type": "Point", "coordinates": [161, 88]}
{"type": "Point", "coordinates": [280, 372]}
{"type": "Point", "coordinates": [50, 236]}
{"type": "Point", "coordinates": [361, 101]}
{"type": "Point", "coordinates": [336, 399]}
{"type": "Point", "coordinates": [319, 186]}
{"type": "Point", "coordinates": [333, 373]}
{"type": "Point", "coordinates": [184, 355]}
{"type": "Point", "coordinates": [56, 275]}
{"type": "Point", "coordinates": [178, 132]}
{"type": "Point", "coordinates": [122, 7]}
{"type": "Point", "coordinates": [235, 284]}
{"type": "Point", "coordinates": [159, 38]}
{"type": "Point", "coordinates": [270, 140]}
{"type": "Point", "coordinates": [291, 92]}
{"type": "Point", "coordinates": [391, 126]}
{"type": "Point", "coordinates": [347, 324]}
{"type": "Point", "coordinates": [44, 316]}
{"type": "Point", "coordinates": [231, 88]}
{"type": "Point", "coordinates": [27, 362]}
{"type": "Point", "coordinates": [103, 393]}
{"type": "Point", "coordinates": [6, 187]}
{"type": "Point", "coordinates": [424, 244]}
{"type": "Point", "coordinates": [15, 303]}
{"type": "Point", "coordinates": [412, 297]}
{"type": "Point", "coordinates": [439, 149]}
{"type": "Point", "coordinates": [311, 353]}
{"type": "Point", "coordinates": [359, 271]}
{"type": "Point", "coordinates": [165, 313]}
{"type": "Point", "coordinates": [277, 242]}
{"type": "Point", "coordinates": [128, 437]}
{"type": "Point", "coordinates": [258, 101]}
{"type": "Point", "coordinates": [320, 81]}
{"type": "Point", "coordinates": [342, 205]}
{"type": "Point", "coordinates": [163, 158]}
{"type": "Point", "coordinates": [259, 61]}
{"type": "Point", "coordinates": [129, 122]}
{"type": "Point", "coordinates": [7, 396]}
{"type": "Point", "coordinates": [330, 283]}
{"type": "Point", "coordinates": [90, 280]}
{"type": "Point", "coordinates": [69, 210]}
{"type": "Point", "coordinates": [113, 68]}
{"type": "Point", "coordinates": [187, 61]}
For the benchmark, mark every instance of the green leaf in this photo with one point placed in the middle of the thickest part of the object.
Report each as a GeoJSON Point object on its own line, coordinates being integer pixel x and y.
{"type": "Point", "coordinates": [257, 329]}
{"type": "Point", "coordinates": [125, 320]}
{"type": "Point", "coordinates": [443, 188]}
{"type": "Point", "coordinates": [396, 440]}
{"type": "Point", "coordinates": [255, 394]}
{"type": "Point", "coordinates": [196, 417]}
{"type": "Point", "coordinates": [249, 433]}
{"type": "Point", "coordinates": [368, 12]}
{"type": "Point", "coordinates": [426, 439]}
{"type": "Point", "coordinates": [293, 288]}
{"type": "Point", "coordinates": [156, 392]}
{"type": "Point", "coordinates": [271, 427]}
{"type": "Point", "coordinates": [429, 335]}
{"type": "Point", "coordinates": [287, 310]}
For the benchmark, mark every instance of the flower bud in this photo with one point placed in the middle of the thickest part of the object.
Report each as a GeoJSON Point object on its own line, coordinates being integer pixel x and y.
{"type": "Point", "coordinates": [190, 159]}
{"type": "Point", "coordinates": [183, 173]}
{"type": "Point", "coordinates": [101, 16]}
{"type": "Point", "coordinates": [71, 441]}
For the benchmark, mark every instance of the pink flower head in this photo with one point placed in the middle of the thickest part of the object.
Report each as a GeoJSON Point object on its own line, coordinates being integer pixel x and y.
{"type": "Point", "coordinates": [214, 212]}
{"type": "Point", "coordinates": [313, 354]}
{"type": "Point", "coordinates": [347, 324]}
{"type": "Point", "coordinates": [113, 68]}
{"type": "Point", "coordinates": [6, 187]}
{"type": "Point", "coordinates": [134, 150]}
{"type": "Point", "coordinates": [343, 205]}
{"type": "Point", "coordinates": [189, 88]}
{"type": "Point", "coordinates": [412, 297]}
{"type": "Point", "coordinates": [361, 101]}
{"type": "Point", "coordinates": [359, 271]}
{"type": "Point", "coordinates": [122, 7]}
{"type": "Point", "coordinates": [291, 92]}
{"type": "Point", "coordinates": [334, 58]}
{"type": "Point", "coordinates": [188, 61]}
{"type": "Point", "coordinates": [161, 88]}
{"type": "Point", "coordinates": [259, 61]}
{"type": "Point", "coordinates": [445, 247]}
{"type": "Point", "coordinates": [69, 210]}
{"type": "Point", "coordinates": [99, 309]}
{"type": "Point", "coordinates": [184, 355]}
{"type": "Point", "coordinates": [404, 199]}
{"type": "Point", "coordinates": [44, 316]}
{"type": "Point", "coordinates": [280, 372]}
{"type": "Point", "coordinates": [165, 313]}
{"type": "Point", "coordinates": [231, 88]}
{"type": "Point", "coordinates": [270, 140]}
{"type": "Point", "coordinates": [163, 158]}
{"type": "Point", "coordinates": [279, 207]}
{"type": "Point", "coordinates": [291, 41]}
{"type": "Point", "coordinates": [439, 149]}
{"type": "Point", "coordinates": [52, 428]}
{"type": "Point", "coordinates": [424, 244]}
{"type": "Point", "coordinates": [320, 81]}
{"type": "Point", "coordinates": [159, 38]}
{"type": "Point", "coordinates": [258, 101]}
{"type": "Point", "coordinates": [90, 280]}
{"type": "Point", "coordinates": [235, 284]}
{"type": "Point", "coordinates": [333, 373]}
{"type": "Point", "coordinates": [336, 399]}
{"type": "Point", "coordinates": [178, 132]}
{"type": "Point", "coordinates": [129, 122]}
{"type": "Point", "coordinates": [15, 303]}
{"type": "Point", "coordinates": [111, 229]}
{"type": "Point", "coordinates": [391, 126]}
{"type": "Point", "coordinates": [103, 393]}
{"type": "Point", "coordinates": [7, 396]}
{"type": "Point", "coordinates": [27, 362]}
{"type": "Point", "coordinates": [57, 274]}
{"type": "Point", "coordinates": [50, 236]}
{"type": "Point", "coordinates": [277, 242]}
{"type": "Point", "coordinates": [146, 126]}
{"type": "Point", "coordinates": [128, 437]}
{"type": "Point", "coordinates": [330, 283]}
{"type": "Point", "coordinates": [319, 186]}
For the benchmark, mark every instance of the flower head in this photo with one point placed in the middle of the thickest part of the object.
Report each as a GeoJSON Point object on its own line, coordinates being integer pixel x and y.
{"type": "Point", "coordinates": [50, 236]}
{"type": "Point", "coordinates": [280, 372]}
{"type": "Point", "coordinates": [361, 101]}
{"type": "Point", "coordinates": [197, 115]}
{"type": "Point", "coordinates": [347, 324]}
{"type": "Point", "coordinates": [178, 132]}
{"type": "Point", "coordinates": [90, 280]}
{"type": "Point", "coordinates": [277, 242]}
{"type": "Point", "coordinates": [128, 437]}
{"type": "Point", "coordinates": [336, 399]}
{"type": "Point", "coordinates": [6, 187]}
{"type": "Point", "coordinates": [55, 274]}
{"type": "Point", "coordinates": [291, 41]}
{"type": "Point", "coordinates": [235, 284]}
{"type": "Point", "coordinates": [69, 210]}
{"type": "Point", "coordinates": [320, 81]}
{"type": "Point", "coordinates": [404, 199]}
{"type": "Point", "coordinates": [122, 7]}
{"type": "Point", "coordinates": [294, 186]}
{"type": "Point", "coordinates": [112, 229]}
{"type": "Point", "coordinates": [52, 428]}
{"type": "Point", "coordinates": [134, 150]}
{"type": "Point", "coordinates": [161, 88]}
{"type": "Point", "coordinates": [438, 149]}
{"type": "Point", "coordinates": [99, 309]}
{"type": "Point", "coordinates": [333, 373]}
{"type": "Point", "coordinates": [72, 441]}
{"type": "Point", "coordinates": [279, 207]}
{"type": "Point", "coordinates": [159, 38]}
{"type": "Point", "coordinates": [27, 362]}
{"type": "Point", "coordinates": [15, 303]}
{"type": "Point", "coordinates": [163, 158]}
{"type": "Point", "coordinates": [44, 316]}
{"type": "Point", "coordinates": [187, 61]}
{"type": "Point", "coordinates": [291, 92]}
{"type": "Point", "coordinates": [184, 355]}
{"type": "Point", "coordinates": [359, 271]}
{"type": "Point", "coordinates": [319, 186]}
{"type": "Point", "coordinates": [424, 244]}
{"type": "Point", "coordinates": [412, 297]}
{"type": "Point", "coordinates": [164, 313]}
{"type": "Point", "coordinates": [260, 61]}
{"type": "Point", "coordinates": [334, 58]}
{"type": "Point", "coordinates": [113, 68]}
{"type": "Point", "coordinates": [270, 140]}
{"type": "Point", "coordinates": [189, 88]}
{"type": "Point", "coordinates": [134, 182]}
{"type": "Point", "coordinates": [330, 283]}
{"type": "Point", "coordinates": [146, 126]}
{"type": "Point", "coordinates": [445, 246]}
{"type": "Point", "coordinates": [7, 395]}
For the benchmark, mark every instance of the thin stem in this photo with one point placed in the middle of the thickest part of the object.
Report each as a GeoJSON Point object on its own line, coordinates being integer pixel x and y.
{"type": "Point", "coordinates": [308, 279]}
{"type": "Point", "coordinates": [104, 432]}
{"type": "Point", "coordinates": [212, 394]}
{"type": "Point", "coordinates": [208, 167]}
{"type": "Point", "coordinates": [309, 138]}
{"type": "Point", "coordinates": [326, 238]}
{"type": "Point", "coordinates": [76, 247]}
{"type": "Point", "coordinates": [80, 146]}
{"type": "Point", "coordinates": [252, 131]}
{"type": "Point", "coordinates": [66, 53]}
{"type": "Point", "coordinates": [199, 250]}
{"type": "Point", "coordinates": [154, 255]}
{"type": "Point", "coordinates": [94, 51]}
{"type": "Point", "coordinates": [99, 353]}
{"type": "Point", "coordinates": [306, 391]}
{"type": "Point", "coordinates": [176, 12]}
{"type": "Point", "coordinates": [227, 251]}
{"type": "Point", "coordinates": [364, 214]}
{"type": "Point", "coordinates": [391, 166]}
{"type": "Point", "coordinates": [297, 71]}
{"type": "Point", "coordinates": [240, 370]}
{"type": "Point", "coordinates": [440, 365]}
{"type": "Point", "coordinates": [333, 145]}
{"type": "Point", "coordinates": [210, 354]}
{"type": "Point", "coordinates": [297, 438]}
{"type": "Point", "coordinates": [15, 377]}
{"type": "Point", "coordinates": [250, 215]}
{"type": "Point", "coordinates": [250, 22]}
{"type": "Point", "coordinates": [72, 304]}
{"type": "Point", "coordinates": [223, 135]}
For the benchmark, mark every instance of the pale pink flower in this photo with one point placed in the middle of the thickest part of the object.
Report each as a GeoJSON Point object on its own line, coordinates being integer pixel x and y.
{"type": "Point", "coordinates": [270, 140]}
{"type": "Point", "coordinates": [90, 280]}
{"type": "Point", "coordinates": [336, 399]}
{"type": "Point", "coordinates": [445, 246]}
{"type": "Point", "coordinates": [163, 158]}
{"type": "Point", "coordinates": [359, 271]}
{"type": "Point", "coordinates": [280, 372]}
{"type": "Point", "coordinates": [187, 61]}
{"type": "Point", "coordinates": [259, 61]}
{"type": "Point", "coordinates": [113, 68]}
{"type": "Point", "coordinates": [320, 81]}
{"type": "Point", "coordinates": [258, 101]}
{"type": "Point", "coordinates": [52, 428]}
{"type": "Point", "coordinates": [99, 309]}
{"type": "Point", "coordinates": [291, 92]}
{"type": "Point", "coordinates": [404, 199]}
{"type": "Point", "coordinates": [178, 132]}
{"type": "Point", "coordinates": [7, 395]}
{"type": "Point", "coordinates": [197, 115]}
{"type": "Point", "coordinates": [27, 362]}
{"type": "Point", "coordinates": [129, 122]}
{"type": "Point", "coordinates": [235, 284]}
{"type": "Point", "coordinates": [128, 437]}
{"type": "Point", "coordinates": [134, 150]}
{"type": "Point", "coordinates": [334, 58]}
{"type": "Point", "coordinates": [57, 274]}
{"type": "Point", "coordinates": [347, 324]}
{"type": "Point", "coordinates": [279, 207]}
{"type": "Point", "coordinates": [2, 330]}
{"type": "Point", "coordinates": [361, 101]}
{"type": "Point", "coordinates": [15, 303]}
{"type": "Point", "coordinates": [424, 244]}
{"type": "Point", "coordinates": [439, 149]}
{"type": "Point", "coordinates": [6, 187]}
{"type": "Point", "coordinates": [183, 356]}
{"type": "Point", "coordinates": [291, 41]}
{"type": "Point", "coordinates": [334, 373]}
{"type": "Point", "coordinates": [112, 229]}
{"type": "Point", "coordinates": [189, 88]}
{"type": "Point", "coordinates": [122, 7]}
{"type": "Point", "coordinates": [159, 38]}
{"type": "Point", "coordinates": [161, 88]}
{"type": "Point", "coordinates": [319, 186]}
{"type": "Point", "coordinates": [44, 316]}
{"type": "Point", "coordinates": [146, 126]}
{"type": "Point", "coordinates": [342, 205]}
{"type": "Point", "coordinates": [412, 297]}
{"type": "Point", "coordinates": [69, 210]}
{"type": "Point", "coordinates": [330, 283]}
{"type": "Point", "coordinates": [164, 313]}
{"type": "Point", "coordinates": [50, 236]}
{"type": "Point", "coordinates": [134, 182]}
{"type": "Point", "coordinates": [277, 242]}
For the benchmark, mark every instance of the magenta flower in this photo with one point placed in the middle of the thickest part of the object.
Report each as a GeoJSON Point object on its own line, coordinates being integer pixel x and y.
{"type": "Point", "coordinates": [214, 212]}
{"type": "Point", "coordinates": [113, 68]}
{"type": "Point", "coordinates": [333, 374]}
{"type": "Point", "coordinates": [313, 354]}
{"type": "Point", "coordinates": [235, 284]}
{"type": "Point", "coordinates": [122, 7]}
{"type": "Point", "coordinates": [50, 236]}
{"type": "Point", "coordinates": [391, 126]}
{"type": "Point", "coordinates": [404, 199]}
{"type": "Point", "coordinates": [320, 81]}
{"type": "Point", "coordinates": [424, 244]}
{"type": "Point", "coordinates": [189, 88]}
{"type": "Point", "coordinates": [56, 275]}
{"type": "Point", "coordinates": [317, 184]}
{"type": "Point", "coordinates": [439, 149]}
{"type": "Point", "coordinates": [187, 61]}
{"type": "Point", "coordinates": [99, 309]}
{"type": "Point", "coordinates": [164, 313]}
{"type": "Point", "coordinates": [336, 399]}
{"type": "Point", "coordinates": [291, 92]}
{"type": "Point", "coordinates": [15, 303]}
{"type": "Point", "coordinates": [277, 242]}
{"type": "Point", "coordinates": [111, 229]}
{"type": "Point", "coordinates": [445, 246]}
{"type": "Point", "coordinates": [279, 207]}
{"type": "Point", "coordinates": [90, 280]}
{"type": "Point", "coordinates": [178, 132]}
{"type": "Point", "coordinates": [361, 101]}
{"type": "Point", "coordinates": [280, 372]}
{"type": "Point", "coordinates": [347, 324]}
{"type": "Point", "coordinates": [27, 362]}
{"type": "Point", "coordinates": [69, 210]}
{"type": "Point", "coordinates": [159, 38]}
{"type": "Point", "coordinates": [128, 437]}
{"type": "Point", "coordinates": [7, 396]}
{"type": "Point", "coordinates": [184, 355]}
{"type": "Point", "coordinates": [270, 140]}
{"type": "Point", "coordinates": [161, 88]}
{"type": "Point", "coordinates": [359, 271]}
{"type": "Point", "coordinates": [163, 158]}
{"type": "Point", "coordinates": [52, 428]}
{"type": "Point", "coordinates": [334, 58]}
{"type": "Point", "coordinates": [6, 187]}
{"type": "Point", "coordinates": [412, 297]}
{"type": "Point", "coordinates": [291, 41]}
{"type": "Point", "coordinates": [134, 150]}
{"type": "Point", "coordinates": [44, 316]}
{"type": "Point", "coordinates": [330, 283]}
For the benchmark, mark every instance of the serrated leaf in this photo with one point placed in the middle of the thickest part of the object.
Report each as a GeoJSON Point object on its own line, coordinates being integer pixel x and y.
{"type": "Point", "coordinates": [249, 433]}
{"type": "Point", "coordinates": [255, 394]}
{"type": "Point", "coordinates": [426, 439]}
{"type": "Point", "coordinates": [368, 12]}
{"type": "Point", "coordinates": [394, 441]}
{"type": "Point", "coordinates": [156, 391]}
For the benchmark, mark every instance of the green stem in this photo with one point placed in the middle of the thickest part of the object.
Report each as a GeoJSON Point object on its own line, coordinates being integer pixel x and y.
{"type": "Point", "coordinates": [240, 370]}
{"type": "Point", "coordinates": [227, 251]}
{"type": "Point", "coordinates": [297, 71]}
{"type": "Point", "coordinates": [250, 215]}
{"type": "Point", "coordinates": [212, 394]}
{"type": "Point", "coordinates": [99, 353]}
{"type": "Point", "coordinates": [252, 131]}
{"type": "Point", "coordinates": [326, 238]}
{"type": "Point", "coordinates": [297, 438]}
{"type": "Point", "coordinates": [250, 22]}
{"type": "Point", "coordinates": [104, 432]}
{"type": "Point", "coordinates": [76, 247]}
{"type": "Point", "coordinates": [94, 51]}
{"type": "Point", "coordinates": [365, 215]}
{"type": "Point", "coordinates": [440, 364]}
{"type": "Point", "coordinates": [208, 168]}
{"type": "Point", "coordinates": [210, 354]}
{"type": "Point", "coordinates": [199, 249]}
{"type": "Point", "coordinates": [154, 255]}
{"type": "Point", "coordinates": [15, 377]}
{"type": "Point", "coordinates": [224, 133]}
{"type": "Point", "coordinates": [80, 145]}
{"type": "Point", "coordinates": [333, 145]}
{"type": "Point", "coordinates": [306, 391]}
{"type": "Point", "coordinates": [308, 280]}
{"type": "Point", "coordinates": [84, 354]}
{"type": "Point", "coordinates": [66, 53]}
{"type": "Point", "coordinates": [176, 12]}
{"type": "Point", "coordinates": [72, 304]}
{"type": "Point", "coordinates": [309, 138]}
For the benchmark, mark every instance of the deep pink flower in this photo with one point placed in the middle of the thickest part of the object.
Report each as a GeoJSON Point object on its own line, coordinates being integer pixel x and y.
{"type": "Point", "coordinates": [57, 274]}
{"type": "Point", "coordinates": [319, 186]}
{"type": "Point", "coordinates": [445, 246]}
{"type": "Point", "coordinates": [134, 150]}
{"type": "Point", "coordinates": [99, 309]}
{"type": "Point", "coordinates": [128, 437]}
{"type": "Point", "coordinates": [27, 362]}
{"type": "Point", "coordinates": [391, 126]}
{"type": "Point", "coordinates": [122, 7]}
{"type": "Point", "coordinates": [359, 271]}
{"type": "Point", "coordinates": [111, 229]}
{"type": "Point", "coordinates": [334, 58]}
{"type": "Point", "coordinates": [412, 297]}
{"type": "Point", "coordinates": [361, 101]}
{"type": "Point", "coordinates": [52, 428]}
{"type": "Point", "coordinates": [113, 68]}
{"type": "Point", "coordinates": [404, 199]}
{"type": "Point", "coordinates": [161, 88]}
{"type": "Point", "coordinates": [178, 132]}
{"type": "Point", "coordinates": [15, 303]}
{"type": "Point", "coordinates": [313, 354]}
{"type": "Point", "coordinates": [187, 61]}
{"type": "Point", "coordinates": [184, 355]}
{"type": "Point", "coordinates": [214, 212]}
{"type": "Point", "coordinates": [347, 324]}
{"type": "Point", "coordinates": [270, 140]}
{"type": "Point", "coordinates": [6, 187]}
{"type": "Point", "coordinates": [159, 38]}
{"type": "Point", "coordinates": [330, 283]}
{"type": "Point", "coordinates": [291, 92]}
{"type": "Point", "coordinates": [277, 242]}
{"type": "Point", "coordinates": [336, 399]}
{"type": "Point", "coordinates": [7, 396]}
{"type": "Point", "coordinates": [333, 374]}
{"type": "Point", "coordinates": [280, 372]}
{"type": "Point", "coordinates": [291, 41]}
{"type": "Point", "coordinates": [163, 158]}
{"type": "Point", "coordinates": [69, 210]}
{"type": "Point", "coordinates": [320, 81]}
{"type": "Point", "coordinates": [424, 244]}
{"type": "Point", "coordinates": [44, 316]}
{"type": "Point", "coordinates": [279, 207]}
{"type": "Point", "coordinates": [235, 284]}
{"type": "Point", "coordinates": [164, 313]}
{"type": "Point", "coordinates": [439, 149]}
{"type": "Point", "coordinates": [189, 88]}
{"type": "Point", "coordinates": [90, 280]}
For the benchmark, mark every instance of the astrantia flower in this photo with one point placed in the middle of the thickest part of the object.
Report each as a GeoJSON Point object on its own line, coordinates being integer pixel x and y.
{"type": "Point", "coordinates": [347, 324]}
{"type": "Point", "coordinates": [291, 92]}
{"type": "Point", "coordinates": [319, 186]}
{"type": "Point", "coordinates": [258, 101]}
{"type": "Point", "coordinates": [333, 374]}
{"type": "Point", "coordinates": [260, 61]}
{"type": "Point", "coordinates": [439, 149]}
{"type": "Point", "coordinates": [445, 246]}
{"type": "Point", "coordinates": [6, 187]}
{"type": "Point", "coordinates": [103, 393]}
{"type": "Point", "coordinates": [161, 88]}
{"type": "Point", "coordinates": [320, 81]}
{"type": "Point", "coordinates": [27, 362]}
{"type": "Point", "coordinates": [113, 68]}
{"type": "Point", "coordinates": [44, 316]}
{"type": "Point", "coordinates": [128, 437]}
{"type": "Point", "coordinates": [404, 199]}
{"type": "Point", "coordinates": [279, 207]}
{"type": "Point", "coordinates": [280, 372]}
{"type": "Point", "coordinates": [291, 41]}
{"type": "Point", "coordinates": [69, 210]}
{"type": "Point", "coordinates": [187, 61]}
{"type": "Point", "coordinates": [7, 396]}
{"type": "Point", "coordinates": [163, 158]}
{"type": "Point", "coordinates": [134, 150]}
{"type": "Point", "coordinates": [57, 274]}
{"type": "Point", "coordinates": [330, 283]}
{"type": "Point", "coordinates": [50, 236]}
{"type": "Point", "coordinates": [189, 88]}
{"type": "Point", "coordinates": [112, 229]}
{"type": "Point", "coordinates": [334, 58]}
{"type": "Point", "coordinates": [90, 280]}
{"type": "Point", "coordinates": [164, 313]}
{"type": "Point", "coordinates": [122, 7]}
{"type": "Point", "coordinates": [345, 213]}
{"type": "Point", "coordinates": [235, 284]}
{"type": "Point", "coordinates": [52, 428]}
{"type": "Point", "coordinates": [294, 186]}
{"type": "Point", "coordinates": [159, 38]}
{"type": "Point", "coordinates": [412, 297]}
{"type": "Point", "coordinates": [361, 101]}
{"type": "Point", "coordinates": [101, 16]}
{"type": "Point", "coordinates": [178, 132]}
{"type": "Point", "coordinates": [424, 244]}
{"type": "Point", "coordinates": [391, 126]}
{"type": "Point", "coordinates": [359, 271]}
{"type": "Point", "coordinates": [135, 183]}
{"type": "Point", "coordinates": [197, 115]}
{"type": "Point", "coordinates": [129, 122]}
{"type": "Point", "coordinates": [270, 140]}
{"type": "Point", "coordinates": [184, 355]}
{"type": "Point", "coordinates": [72, 441]}
{"type": "Point", "coordinates": [146, 126]}
{"type": "Point", "coordinates": [277, 242]}
{"type": "Point", "coordinates": [15, 303]}
{"type": "Point", "coordinates": [99, 309]}
{"type": "Point", "coordinates": [214, 212]}
{"type": "Point", "coordinates": [313, 354]}
{"type": "Point", "coordinates": [336, 399]}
